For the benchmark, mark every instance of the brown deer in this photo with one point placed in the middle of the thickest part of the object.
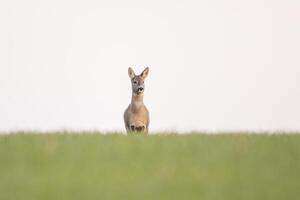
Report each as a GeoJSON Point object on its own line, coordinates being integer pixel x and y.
{"type": "Point", "coordinates": [136, 116]}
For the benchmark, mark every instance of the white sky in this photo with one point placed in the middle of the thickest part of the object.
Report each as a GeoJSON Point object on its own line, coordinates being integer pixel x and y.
{"type": "Point", "coordinates": [214, 64]}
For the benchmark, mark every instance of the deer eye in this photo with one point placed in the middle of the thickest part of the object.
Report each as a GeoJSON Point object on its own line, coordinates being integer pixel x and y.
{"type": "Point", "coordinates": [135, 82]}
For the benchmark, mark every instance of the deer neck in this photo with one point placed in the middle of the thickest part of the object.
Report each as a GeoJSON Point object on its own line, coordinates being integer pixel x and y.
{"type": "Point", "coordinates": [137, 101]}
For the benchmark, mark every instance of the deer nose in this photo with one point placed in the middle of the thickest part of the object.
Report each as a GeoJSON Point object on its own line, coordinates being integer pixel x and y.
{"type": "Point", "coordinates": [140, 89]}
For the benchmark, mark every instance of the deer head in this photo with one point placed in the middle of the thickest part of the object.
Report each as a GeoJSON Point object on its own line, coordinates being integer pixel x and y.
{"type": "Point", "coordinates": [137, 81]}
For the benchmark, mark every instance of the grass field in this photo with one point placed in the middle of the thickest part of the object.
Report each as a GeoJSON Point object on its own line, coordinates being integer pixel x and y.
{"type": "Point", "coordinates": [196, 166]}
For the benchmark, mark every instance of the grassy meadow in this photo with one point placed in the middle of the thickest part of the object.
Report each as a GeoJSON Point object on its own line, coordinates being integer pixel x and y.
{"type": "Point", "coordinates": [137, 167]}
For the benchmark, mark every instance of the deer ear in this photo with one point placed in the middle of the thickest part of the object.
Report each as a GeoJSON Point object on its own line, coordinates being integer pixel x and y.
{"type": "Point", "coordinates": [144, 74]}
{"type": "Point", "coordinates": [131, 73]}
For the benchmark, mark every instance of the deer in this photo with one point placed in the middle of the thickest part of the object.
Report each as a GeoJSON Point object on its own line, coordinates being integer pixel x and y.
{"type": "Point", "coordinates": [136, 116]}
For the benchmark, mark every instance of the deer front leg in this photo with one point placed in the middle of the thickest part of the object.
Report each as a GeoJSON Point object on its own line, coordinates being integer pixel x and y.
{"type": "Point", "coordinates": [140, 129]}
{"type": "Point", "coordinates": [134, 128]}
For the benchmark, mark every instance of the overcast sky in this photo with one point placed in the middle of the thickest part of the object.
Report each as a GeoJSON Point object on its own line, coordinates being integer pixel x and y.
{"type": "Point", "coordinates": [214, 64]}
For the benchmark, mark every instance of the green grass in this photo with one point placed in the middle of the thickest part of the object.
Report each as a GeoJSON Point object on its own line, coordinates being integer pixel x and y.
{"type": "Point", "coordinates": [196, 166]}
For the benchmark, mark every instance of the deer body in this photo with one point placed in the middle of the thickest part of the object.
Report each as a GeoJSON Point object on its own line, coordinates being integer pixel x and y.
{"type": "Point", "coordinates": [136, 116]}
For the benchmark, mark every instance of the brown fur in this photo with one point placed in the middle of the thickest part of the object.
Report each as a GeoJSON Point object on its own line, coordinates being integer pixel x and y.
{"type": "Point", "coordinates": [136, 116]}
